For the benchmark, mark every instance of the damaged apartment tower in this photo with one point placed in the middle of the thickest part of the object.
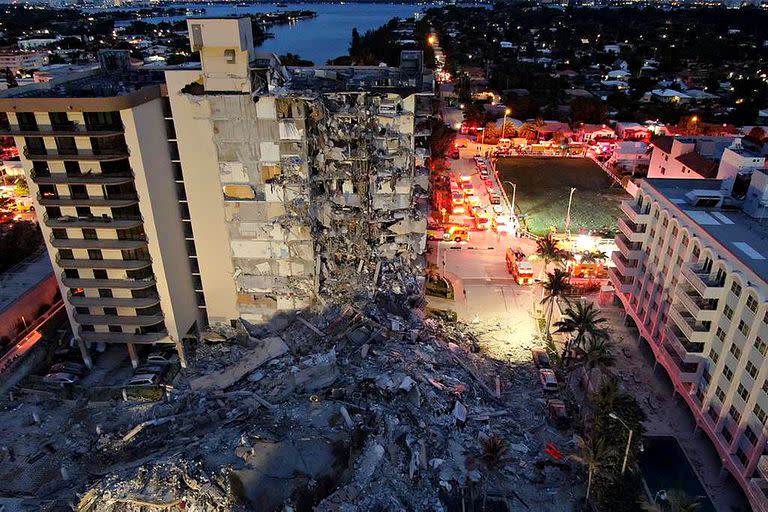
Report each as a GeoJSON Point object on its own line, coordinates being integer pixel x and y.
{"type": "Point", "coordinates": [238, 190]}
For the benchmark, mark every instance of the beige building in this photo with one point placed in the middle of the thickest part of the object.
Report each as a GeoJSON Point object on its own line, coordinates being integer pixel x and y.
{"type": "Point", "coordinates": [239, 190]}
{"type": "Point", "coordinates": [692, 273]}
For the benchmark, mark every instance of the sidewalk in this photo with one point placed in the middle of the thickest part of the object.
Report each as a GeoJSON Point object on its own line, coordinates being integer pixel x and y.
{"type": "Point", "coordinates": [668, 415]}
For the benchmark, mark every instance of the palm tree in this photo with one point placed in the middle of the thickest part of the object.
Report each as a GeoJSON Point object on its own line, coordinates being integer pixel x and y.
{"type": "Point", "coordinates": [580, 320]}
{"type": "Point", "coordinates": [592, 452]}
{"type": "Point", "coordinates": [555, 287]}
{"type": "Point", "coordinates": [547, 249]}
{"type": "Point", "coordinates": [677, 501]}
{"type": "Point", "coordinates": [494, 455]}
{"type": "Point", "coordinates": [596, 353]}
{"type": "Point", "coordinates": [605, 397]}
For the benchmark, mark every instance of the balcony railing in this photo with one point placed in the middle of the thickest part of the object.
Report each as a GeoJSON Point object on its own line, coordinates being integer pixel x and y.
{"type": "Point", "coordinates": [701, 309]}
{"type": "Point", "coordinates": [128, 284]}
{"type": "Point", "coordinates": [689, 351]}
{"type": "Point", "coordinates": [101, 243]}
{"type": "Point", "coordinates": [91, 222]}
{"type": "Point", "coordinates": [694, 331]}
{"type": "Point", "coordinates": [103, 264]}
{"type": "Point", "coordinates": [123, 337]}
{"type": "Point", "coordinates": [87, 178]}
{"type": "Point", "coordinates": [113, 302]}
{"type": "Point", "coordinates": [633, 232]}
{"type": "Point", "coordinates": [625, 267]}
{"type": "Point", "coordinates": [113, 201]}
{"type": "Point", "coordinates": [706, 286]}
{"type": "Point", "coordinates": [138, 320]}
{"type": "Point", "coordinates": [686, 371]}
{"type": "Point", "coordinates": [630, 250]}
{"type": "Point", "coordinates": [634, 213]}
{"type": "Point", "coordinates": [90, 156]}
{"type": "Point", "coordinates": [619, 282]}
{"type": "Point", "coordinates": [71, 129]}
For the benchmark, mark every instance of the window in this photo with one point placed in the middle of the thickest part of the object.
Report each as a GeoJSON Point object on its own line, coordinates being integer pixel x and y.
{"type": "Point", "coordinates": [743, 392]}
{"type": "Point", "coordinates": [728, 312]}
{"type": "Point", "coordinates": [674, 231]}
{"type": "Point", "coordinates": [99, 273]}
{"type": "Point", "coordinates": [736, 351]}
{"type": "Point", "coordinates": [750, 435]}
{"type": "Point", "coordinates": [720, 394]}
{"type": "Point", "coordinates": [66, 254]}
{"type": "Point", "coordinates": [734, 413]}
{"type": "Point", "coordinates": [706, 376]}
{"type": "Point", "coordinates": [765, 387]}
{"type": "Point", "coordinates": [736, 288]}
{"type": "Point", "coordinates": [110, 311]}
{"type": "Point", "coordinates": [752, 303]}
{"type": "Point", "coordinates": [726, 434]}
{"type": "Point", "coordinates": [684, 241]}
{"type": "Point", "coordinates": [761, 346]}
{"type": "Point", "coordinates": [720, 333]}
{"type": "Point", "coordinates": [751, 369]}
{"type": "Point", "coordinates": [743, 459]}
{"type": "Point", "coordinates": [714, 356]}
{"type": "Point", "coordinates": [89, 234]}
{"type": "Point", "coordinates": [95, 254]}
{"type": "Point", "coordinates": [743, 328]}
{"type": "Point", "coordinates": [105, 293]}
{"type": "Point", "coordinates": [728, 373]}
{"type": "Point", "coordinates": [760, 414]}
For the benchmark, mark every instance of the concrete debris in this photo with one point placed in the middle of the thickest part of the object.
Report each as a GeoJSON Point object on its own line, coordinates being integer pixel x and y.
{"type": "Point", "coordinates": [366, 416]}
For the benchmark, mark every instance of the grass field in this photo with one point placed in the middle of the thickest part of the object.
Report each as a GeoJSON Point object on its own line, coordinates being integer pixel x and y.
{"type": "Point", "coordinates": [543, 186]}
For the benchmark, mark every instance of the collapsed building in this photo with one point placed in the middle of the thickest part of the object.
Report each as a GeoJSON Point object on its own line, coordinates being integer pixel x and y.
{"type": "Point", "coordinates": [237, 190]}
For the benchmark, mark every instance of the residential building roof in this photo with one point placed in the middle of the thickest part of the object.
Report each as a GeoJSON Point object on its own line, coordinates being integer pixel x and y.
{"type": "Point", "coordinates": [701, 165]}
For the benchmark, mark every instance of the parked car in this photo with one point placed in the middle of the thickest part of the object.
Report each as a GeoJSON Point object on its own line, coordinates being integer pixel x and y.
{"type": "Point", "coordinates": [434, 231]}
{"type": "Point", "coordinates": [548, 380]}
{"type": "Point", "coordinates": [484, 172]}
{"type": "Point", "coordinates": [69, 367]}
{"type": "Point", "coordinates": [494, 198]}
{"type": "Point", "coordinates": [558, 413]}
{"type": "Point", "coordinates": [468, 189]}
{"type": "Point", "coordinates": [61, 378]}
{"type": "Point", "coordinates": [144, 379]}
{"type": "Point", "coordinates": [540, 357]}
{"type": "Point", "coordinates": [456, 234]}
{"type": "Point", "coordinates": [161, 357]}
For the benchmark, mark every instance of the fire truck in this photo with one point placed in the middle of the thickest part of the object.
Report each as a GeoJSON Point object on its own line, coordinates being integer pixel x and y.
{"type": "Point", "coordinates": [521, 270]}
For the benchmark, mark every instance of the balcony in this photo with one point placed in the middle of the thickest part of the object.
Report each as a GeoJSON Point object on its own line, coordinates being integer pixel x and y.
{"type": "Point", "coordinates": [139, 320]}
{"type": "Point", "coordinates": [702, 310]}
{"type": "Point", "coordinates": [123, 337]}
{"type": "Point", "coordinates": [619, 282]}
{"type": "Point", "coordinates": [113, 302]}
{"type": "Point", "coordinates": [128, 284]}
{"type": "Point", "coordinates": [762, 465]}
{"type": "Point", "coordinates": [70, 129]}
{"type": "Point", "coordinates": [103, 264]}
{"type": "Point", "coordinates": [689, 352]}
{"type": "Point", "coordinates": [80, 155]}
{"type": "Point", "coordinates": [80, 243]}
{"type": "Point", "coordinates": [696, 332]}
{"type": "Point", "coordinates": [633, 212]}
{"type": "Point", "coordinates": [633, 232]}
{"type": "Point", "coordinates": [701, 281]}
{"type": "Point", "coordinates": [89, 178]}
{"type": "Point", "coordinates": [114, 201]}
{"type": "Point", "coordinates": [685, 371]}
{"type": "Point", "coordinates": [630, 250]}
{"type": "Point", "coordinates": [625, 267]}
{"type": "Point", "coordinates": [91, 222]}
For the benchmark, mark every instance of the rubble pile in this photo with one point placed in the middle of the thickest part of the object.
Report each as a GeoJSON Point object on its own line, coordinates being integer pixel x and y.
{"type": "Point", "coordinates": [337, 412]}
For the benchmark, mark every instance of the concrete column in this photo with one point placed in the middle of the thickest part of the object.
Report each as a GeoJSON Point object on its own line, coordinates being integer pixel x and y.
{"type": "Point", "coordinates": [182, 353]}
{"type": "Point", "coordinates": [84, 353]}
{"type": "Point", "coordinates": [132, 353]}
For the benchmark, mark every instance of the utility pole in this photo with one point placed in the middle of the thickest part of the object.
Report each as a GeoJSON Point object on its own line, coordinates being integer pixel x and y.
{"type": "Point", "coordinates": [568, 215]}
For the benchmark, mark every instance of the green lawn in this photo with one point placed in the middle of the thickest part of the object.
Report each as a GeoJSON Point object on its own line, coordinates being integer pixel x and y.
{"type": "Point", "coordinates": [543, 185]}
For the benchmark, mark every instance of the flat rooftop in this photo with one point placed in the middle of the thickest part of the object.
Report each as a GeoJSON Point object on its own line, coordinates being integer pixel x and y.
{"type": "Point", "coordinates": [25, 276]}
{"type": "Point", "coordinates": [359, 78]}
{"type": "Point", "coordinates": [95, 84]}
{"type": "Point", "coordinates": [741, 235]}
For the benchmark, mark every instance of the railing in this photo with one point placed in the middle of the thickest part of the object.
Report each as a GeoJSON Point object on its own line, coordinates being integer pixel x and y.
{"type": "Point", "coordinates": [701, 281]}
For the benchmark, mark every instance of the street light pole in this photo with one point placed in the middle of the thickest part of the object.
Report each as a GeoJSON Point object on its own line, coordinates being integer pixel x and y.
{"type": "Point", "coordinates": [482, 138]}
{"type": "Point", "coordinates": [613, 416]}
{"type": "Point", "coordinates": [568, 215]}
{"type": "Point", "coordinates": [514, 193]}
{"type": "Point", "coordinates": [504, 124]}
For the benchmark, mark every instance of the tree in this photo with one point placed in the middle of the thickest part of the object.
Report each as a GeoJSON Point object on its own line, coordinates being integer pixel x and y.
{"type": "Point", "coordinates": [580, 320]}
{"type": "Point", "coordinates": [555, 287]}
{"type": "Point", "coordinates": [441, 139]}
{"type": "Point", "coordinates": [494, 455]}
{"type": "Point", "coordinates": [756, 134]}
{"type": "Point", "coordinates": [20, 188]}
{"type": "Point", "coordinates": [596, 353]}
{"type": "Point", "coordinates": [591, 454]}
{"type": "Point", "coordinates": [547, 249]}
{"type": "Point", "coordinates": [292, 59]}
{"type": "Point", "coordinates": [587, 110]}
{"type": "Point", "coordinates": [354, 47]}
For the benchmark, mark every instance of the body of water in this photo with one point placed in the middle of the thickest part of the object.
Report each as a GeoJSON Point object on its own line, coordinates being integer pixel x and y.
{"type": "Point", "coordinates": [318, 39]}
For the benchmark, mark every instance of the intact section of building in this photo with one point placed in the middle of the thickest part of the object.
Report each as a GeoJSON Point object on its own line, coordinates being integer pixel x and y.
{"type": "Point", "coordinates": [240, 190]}
{"type": "Point", "coordinates": [96, 154]}
{"type": "Point", "coordinates": [306, 182]}
{"type": "Point", "coordinates": [692, 273]}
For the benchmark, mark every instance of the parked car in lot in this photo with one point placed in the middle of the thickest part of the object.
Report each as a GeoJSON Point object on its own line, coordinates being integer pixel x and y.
{"type": "Point", "coordinates": [468, 189]}
{"type": "Point", "coordinates": [548, 380]}
{"type": "Point", "coordinates": [456, 234]}
{"type": "Point", "coordinates": [69, 367]}
{"type": "Point", "coordinates": [61, 378]}
{"type": "Point", "coordinates": [144, 379]}
{"type": "Point", "coordinates": [494, 198]}
{"type": "Point", "coordinates": [540, 357]}
{"type": "Point", "coordinates": [484, 173]}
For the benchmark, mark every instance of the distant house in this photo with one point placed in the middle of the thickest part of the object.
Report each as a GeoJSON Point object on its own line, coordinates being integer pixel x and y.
{"type": "Point", "coordinates": [612, 49]}
{"type": "Point", "coordinates": [618, 74]}
{"type": "Point", "coordinates": [595, 133]}
{"type": "Point", "coordinates": [549, 128]}
{"type": "Point", "coordinates": [670, 96]}
{"type": "Point", "coordinates": [631, 158]}
{"type": "Point", "coordinates": [632, 131]}
{"type": "Point", "coordinates": [701, 97]}
{"type": "Point", "coordinates": [762, 116]}
{"type": "Point", "coordinates": [687, 157]}
{"type": "Point", "coordinates": [618, 85]}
